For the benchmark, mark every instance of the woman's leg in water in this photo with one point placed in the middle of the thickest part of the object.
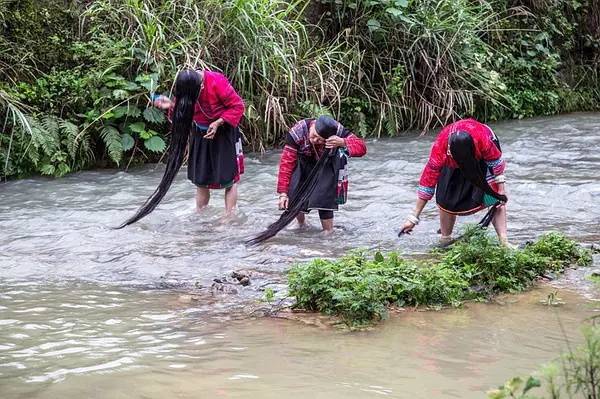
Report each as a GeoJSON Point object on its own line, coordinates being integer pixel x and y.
{"type": "Point", "coordinates": [447, 221]}
{"type": "Point", "coordinates": [301, 218]}
{"type": "Point", "coordinates": [326, 221]}
{"type": "Point", "coordinates": [499, 223]}
{"type": "Point", "coordinates": [202, 198]}
{"type": "Point", "coordinates": [231, 197]}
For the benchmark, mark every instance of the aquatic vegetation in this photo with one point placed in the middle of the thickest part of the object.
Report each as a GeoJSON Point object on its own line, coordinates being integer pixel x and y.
{"type": "Point", "coordinates": [360, 287]}
{"type": "Point", "coordinates": [595, 278]}
{"type": "Point", "coordinates": [269, 295]}
{"type": "Point", "coordinates": [575, 375]}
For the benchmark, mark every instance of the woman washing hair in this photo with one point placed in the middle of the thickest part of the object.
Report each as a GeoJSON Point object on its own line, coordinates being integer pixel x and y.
{"type": "Point", "coordinates": [313, 172]}
{"type": "Point", "coordinates": [306, 142]}
{"type": "Point", "coordinates": [466, 172]}
{"type": "Point", "coordinates": [205, 113]}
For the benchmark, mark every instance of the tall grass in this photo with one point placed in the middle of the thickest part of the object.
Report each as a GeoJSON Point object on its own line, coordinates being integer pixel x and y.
{"type": "Point", "coordinates": [576, 374]}
{"type": "Point", "coordinates": [427, 63]}
{"type": "Point", "coordinates": [263, 46]}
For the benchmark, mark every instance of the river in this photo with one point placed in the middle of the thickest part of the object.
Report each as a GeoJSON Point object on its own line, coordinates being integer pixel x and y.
{"type": "Point", "coordinates": [88, 311]}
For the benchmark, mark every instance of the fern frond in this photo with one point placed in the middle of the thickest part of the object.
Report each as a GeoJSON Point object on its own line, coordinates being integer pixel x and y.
{"type": "Point", "coordinates": [35, 130]}
{"type": "Point", "coordinates": [69, 131]}
{"type": "Point", "coordinates": [112, 139]}
{"type": "Point", "coordinates": [50, 143]}
{"type": "Point", "coordinates": [86, 150]}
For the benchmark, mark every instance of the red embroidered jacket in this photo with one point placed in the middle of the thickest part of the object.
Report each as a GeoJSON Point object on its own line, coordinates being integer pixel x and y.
{"type": "Point", "coordinates": [297, 141]}
{"type": "Point", "coordinates": [485, 149]}
{"type": "Point", "coordinates": [218, 99]}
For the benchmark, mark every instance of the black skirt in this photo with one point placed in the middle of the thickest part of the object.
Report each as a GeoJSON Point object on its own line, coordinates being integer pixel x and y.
{"type": "Point", "coordinates": [325, 193]}
{"type": "Point", "coordinates": [214, 163]}
{"type": "Point", "coordinates": [457, 195]}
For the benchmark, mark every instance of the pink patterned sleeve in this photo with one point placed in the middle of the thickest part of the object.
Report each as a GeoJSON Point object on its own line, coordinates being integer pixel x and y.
{"type": "Point", "coordinates": [431, 171]}
{"type": "Point", "coordinates": [355, 145]}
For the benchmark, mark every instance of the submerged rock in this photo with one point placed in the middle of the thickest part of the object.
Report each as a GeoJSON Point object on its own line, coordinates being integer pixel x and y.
{"type": "Point", "coordinates": [245, 281]}
{"type": "Point", "coordinates": [242, 276]}
{"type": "Point", "coordinates": [223, 288]}
{"type": "Point", "coordinates": [187, 298]}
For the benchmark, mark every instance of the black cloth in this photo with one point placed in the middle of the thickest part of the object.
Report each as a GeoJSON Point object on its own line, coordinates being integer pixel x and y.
{"type": "Point", "coordinates": [457, 195]}
{"type": "Point", "coordinates": [325, 194]}
{"type": "Point", "coordinates": [213, 162]}
{"type": "Point", "coordinates": [325, 215]}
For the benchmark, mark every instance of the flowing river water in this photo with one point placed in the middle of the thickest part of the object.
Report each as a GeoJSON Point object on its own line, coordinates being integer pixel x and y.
{"type": "Point", "coordinates": [88, 311]}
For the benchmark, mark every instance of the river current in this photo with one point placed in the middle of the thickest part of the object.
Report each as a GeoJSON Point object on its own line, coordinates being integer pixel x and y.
{"type": "Point", "coordinates": [88, 311]}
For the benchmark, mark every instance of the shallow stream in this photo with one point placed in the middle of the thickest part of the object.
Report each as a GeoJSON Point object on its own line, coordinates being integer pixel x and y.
{"type": "Point", "coordinates": [87, 311]}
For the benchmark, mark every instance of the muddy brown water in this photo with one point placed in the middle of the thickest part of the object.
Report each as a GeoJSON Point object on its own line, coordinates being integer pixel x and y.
{"type": "Point", "coordinates": [86, 311]}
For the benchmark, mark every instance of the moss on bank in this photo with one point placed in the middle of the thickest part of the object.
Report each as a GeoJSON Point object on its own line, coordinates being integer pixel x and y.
{"type": "Point", "coordinates": [360, 287]}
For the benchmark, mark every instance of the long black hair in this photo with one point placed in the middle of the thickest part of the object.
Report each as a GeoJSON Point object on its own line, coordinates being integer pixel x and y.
{"type": "Point", "coordinates": [325, 127]}
{"type": "Point", "coordinates": [187, 90]}
{"type": "Point", "coordinates": [462, 149]}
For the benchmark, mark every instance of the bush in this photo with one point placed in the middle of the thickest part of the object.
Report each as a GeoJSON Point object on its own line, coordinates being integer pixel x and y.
{"type": "Point", "coordinates": [381, 66]}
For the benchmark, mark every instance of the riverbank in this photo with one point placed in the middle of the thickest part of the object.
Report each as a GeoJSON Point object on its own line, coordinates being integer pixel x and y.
{"type": "Point", "coordinates": [80, 96]}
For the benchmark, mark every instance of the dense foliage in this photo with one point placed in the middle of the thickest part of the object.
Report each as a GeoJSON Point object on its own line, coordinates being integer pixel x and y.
{"type": "Point", "coordinates": [360, 288]}
{"type": "Point", "coordinates": [75, 75]}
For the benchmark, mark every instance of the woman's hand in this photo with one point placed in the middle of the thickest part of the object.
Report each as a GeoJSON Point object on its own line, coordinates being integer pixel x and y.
{"type": "Point", "coordinates": [335, 142]}
{"type": "Point", "coordinates": [283, 202]}
{"type": "Point", "coordinates": [212, 128]}
{"type": "Point", "coordinates": [162, 102]}
{"type": "Point", "coordinates": [411, 221]}
{"type": "Point", "coordinates": [501, 190]}
{"type": "Point", "coordinates": [407, 228]}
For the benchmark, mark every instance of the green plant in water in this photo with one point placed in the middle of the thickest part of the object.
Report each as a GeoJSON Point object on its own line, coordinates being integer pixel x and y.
{"type": "Point", "coordinates": [269, 295]}
{"type": "Point", "coordinates": [576, 374]}
{"type": "Point", "coordinates": [360, 288]}
{"type": "Point", "coordinates": [515, 388]}
{"type": "Point", "coordinates": [594, 278]}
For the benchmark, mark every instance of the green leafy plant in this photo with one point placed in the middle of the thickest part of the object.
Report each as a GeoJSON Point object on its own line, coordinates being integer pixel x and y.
{"type": "Point", "coordinates": [360, 288]}
{"type": "Point", "coordinates": [515, 388]}
{"type": "Point", "coordinates": [269, 295]}
{"type": "Point", "coordinates": [380, 66]}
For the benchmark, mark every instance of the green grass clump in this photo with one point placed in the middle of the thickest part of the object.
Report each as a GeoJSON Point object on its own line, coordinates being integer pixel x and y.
{"type": "Point", "coordinates": [360, 288]}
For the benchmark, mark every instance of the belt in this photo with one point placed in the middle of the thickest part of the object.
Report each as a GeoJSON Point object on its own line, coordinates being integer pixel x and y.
{"type": "Point", "coordinates": [200, 128]}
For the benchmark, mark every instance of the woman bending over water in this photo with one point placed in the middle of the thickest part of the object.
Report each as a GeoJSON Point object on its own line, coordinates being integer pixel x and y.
{"type": "Point", "coordinates": [466, 172]}
{"type": "Point", "coordinates": [205, 113]}
{"type": "Point", "coordinates": [306, 142]}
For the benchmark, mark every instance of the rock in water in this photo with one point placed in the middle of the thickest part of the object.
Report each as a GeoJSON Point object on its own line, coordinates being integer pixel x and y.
{"type": "Point", "coordinates": [242, 276]}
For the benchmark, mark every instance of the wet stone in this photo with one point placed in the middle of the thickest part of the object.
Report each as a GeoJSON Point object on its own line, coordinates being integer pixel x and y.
{"type": "Point", "coordinates": [245, 281]}
{"type": "Point", "coordinates": [242, 276]}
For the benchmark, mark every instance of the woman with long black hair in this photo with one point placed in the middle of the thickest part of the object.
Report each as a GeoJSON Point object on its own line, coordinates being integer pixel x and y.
{"type": "Point", "coordinates": [306, 142]}
{"type": "Point", "coordinates": [465, 170]}
{"type": "Point", "coordinates": [205, 114]}
{"type": "Point", "coordinates": [313, 173]}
